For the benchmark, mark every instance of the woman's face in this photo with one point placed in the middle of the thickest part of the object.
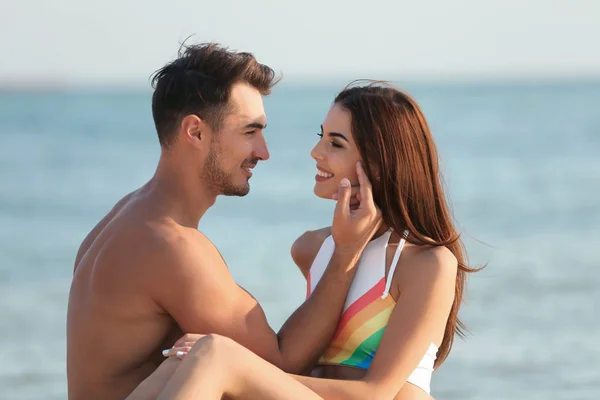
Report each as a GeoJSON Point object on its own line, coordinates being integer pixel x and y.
{"type": "Point", "coordinates": [336, 153]}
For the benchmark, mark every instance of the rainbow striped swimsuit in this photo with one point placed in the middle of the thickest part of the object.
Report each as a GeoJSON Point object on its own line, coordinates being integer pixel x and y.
{"type": "Point", "coordinates": [368, 306]}
{"type": "Point", "coordinates": [367, 310]}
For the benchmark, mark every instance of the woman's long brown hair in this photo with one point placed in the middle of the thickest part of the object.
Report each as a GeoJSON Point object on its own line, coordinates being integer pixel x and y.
{"type": "Point", "coordinates": [395, 143]}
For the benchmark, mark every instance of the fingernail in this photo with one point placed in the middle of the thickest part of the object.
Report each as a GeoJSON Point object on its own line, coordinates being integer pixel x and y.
{"type": "Point", "coordinates": [165, 352]}
{"type": "Point", "coordinates": [179, 353]}
{"type": "Point", "coordinates": [345, 182]}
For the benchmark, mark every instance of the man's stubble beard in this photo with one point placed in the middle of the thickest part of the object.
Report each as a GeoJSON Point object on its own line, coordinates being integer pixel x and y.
{"type": "Point", "coordinates": [218, 179]}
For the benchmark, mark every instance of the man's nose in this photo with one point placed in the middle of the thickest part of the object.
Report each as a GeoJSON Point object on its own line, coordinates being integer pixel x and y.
{"type": "Point", "coordinates": [262, 151]}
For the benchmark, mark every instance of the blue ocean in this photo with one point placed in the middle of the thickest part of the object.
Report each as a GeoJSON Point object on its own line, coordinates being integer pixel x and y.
{"type": "Point", "coordinates": [521, 163]}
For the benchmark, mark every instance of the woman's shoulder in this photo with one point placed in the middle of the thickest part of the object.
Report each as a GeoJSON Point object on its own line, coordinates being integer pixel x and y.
{"type": "Point", "coordinates": [305, 248]}
{"type": "Point", "coordinates": [428, 262]}
{"type": "Point", "coordinates": [424, 263]}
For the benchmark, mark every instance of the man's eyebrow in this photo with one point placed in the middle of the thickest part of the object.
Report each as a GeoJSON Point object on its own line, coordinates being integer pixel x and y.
{"type": "Point", "coordinates": [255, 125]}
{"type": "Point", "coordinates": [336, 134]}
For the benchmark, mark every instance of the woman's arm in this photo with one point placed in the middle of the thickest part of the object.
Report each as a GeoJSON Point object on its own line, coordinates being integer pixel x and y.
{"type": "Point", "coordinates": [420, 312]}
{"type": "Point", "coordinates": [305, 248]}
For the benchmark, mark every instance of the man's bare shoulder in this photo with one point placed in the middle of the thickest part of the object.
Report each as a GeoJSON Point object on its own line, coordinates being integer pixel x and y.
{"type": "Point", "coordinates": [176, 244]}
{"type": "Point", "coordinates": [148, 249]}
{"type": "Point", "coordinates": [188, 279]}
{"type": "Point", "coordinates": [91, 237]}
{"type": "Point", "coordinates": [305, 248]}
{"type": "Point", "coordinates": [176, 253]}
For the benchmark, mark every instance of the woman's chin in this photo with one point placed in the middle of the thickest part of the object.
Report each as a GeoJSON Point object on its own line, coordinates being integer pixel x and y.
{"type": "Point", "coordinates": [323, 194]}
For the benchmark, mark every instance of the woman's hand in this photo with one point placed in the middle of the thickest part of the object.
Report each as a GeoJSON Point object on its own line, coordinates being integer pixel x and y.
{"type": "Point", "coordinates": [353, 227]}
{"type": "Point", "coordinates": [183, 346]}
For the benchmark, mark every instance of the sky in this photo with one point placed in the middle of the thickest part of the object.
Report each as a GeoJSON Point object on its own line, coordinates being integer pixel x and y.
{"type": "Point", "coordinates": [124, 41]}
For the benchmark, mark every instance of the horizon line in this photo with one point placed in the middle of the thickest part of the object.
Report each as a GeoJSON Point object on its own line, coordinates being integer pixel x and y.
{"type": "Point", "coordinates": [54, 85]}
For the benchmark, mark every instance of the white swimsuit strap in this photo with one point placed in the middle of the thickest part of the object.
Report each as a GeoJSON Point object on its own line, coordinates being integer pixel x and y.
{"type": "Point", "coordinates": [390, 276]}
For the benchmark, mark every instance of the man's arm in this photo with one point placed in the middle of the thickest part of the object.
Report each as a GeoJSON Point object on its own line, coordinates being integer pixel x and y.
{"type": "Point", "coordinates": [194, 286]}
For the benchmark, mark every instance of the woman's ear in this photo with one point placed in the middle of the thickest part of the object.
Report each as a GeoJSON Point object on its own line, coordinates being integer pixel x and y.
{"type": "Point", "coordinates": [375, 173]}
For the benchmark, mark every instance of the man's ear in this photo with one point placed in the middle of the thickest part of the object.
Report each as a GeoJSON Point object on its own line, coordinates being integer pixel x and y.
{"type": "Point", "coordinates": [193, 129]}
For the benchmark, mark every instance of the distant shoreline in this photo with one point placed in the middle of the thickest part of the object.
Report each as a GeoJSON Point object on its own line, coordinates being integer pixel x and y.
{"type": "Point", "coordinates": [49, 87]}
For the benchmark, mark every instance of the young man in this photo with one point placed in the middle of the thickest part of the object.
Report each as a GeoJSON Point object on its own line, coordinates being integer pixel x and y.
{"type": "Point", "coordinates": [145, 275]}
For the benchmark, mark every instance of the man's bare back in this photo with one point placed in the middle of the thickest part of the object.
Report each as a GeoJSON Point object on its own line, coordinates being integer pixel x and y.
{"type": "Point", "coordinates": [116, 331]}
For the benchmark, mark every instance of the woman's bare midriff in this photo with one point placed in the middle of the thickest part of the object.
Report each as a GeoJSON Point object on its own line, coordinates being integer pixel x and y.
{"type": "Point", "coordinates": [340, 372]}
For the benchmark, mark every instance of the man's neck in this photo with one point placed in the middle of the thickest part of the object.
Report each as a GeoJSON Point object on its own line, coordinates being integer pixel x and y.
{"type": "Point", "coordinates": [181, 191]}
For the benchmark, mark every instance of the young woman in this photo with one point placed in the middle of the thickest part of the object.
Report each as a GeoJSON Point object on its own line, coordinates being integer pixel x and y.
{"type": "Point", "coordinates": [401, 312]}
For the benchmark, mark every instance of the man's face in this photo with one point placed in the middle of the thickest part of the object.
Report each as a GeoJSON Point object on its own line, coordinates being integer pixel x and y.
{"type": "Point", "coordinates": [238, 146]}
